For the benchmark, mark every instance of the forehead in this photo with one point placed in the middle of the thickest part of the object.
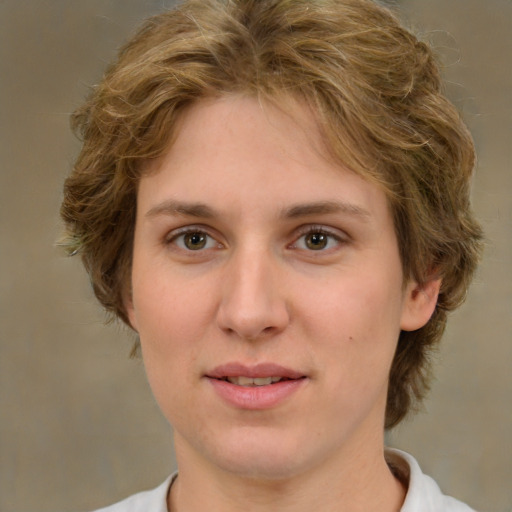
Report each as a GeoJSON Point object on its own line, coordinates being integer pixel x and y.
{"type": "Point", "coordinates": [217, 121]}
{"type": "Point", "coordinates": [234, 150]}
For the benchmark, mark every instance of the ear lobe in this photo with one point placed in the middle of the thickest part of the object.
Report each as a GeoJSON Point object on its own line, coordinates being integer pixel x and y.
{"type": "Point", "coordinates": [419, 304]}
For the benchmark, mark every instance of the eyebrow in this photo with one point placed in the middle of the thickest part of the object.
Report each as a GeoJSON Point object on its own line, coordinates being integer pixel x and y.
{"type": "Point", "coordinates": [324, 208]}
{"type": "Point", "coordinates": [178, 208]}
{"type": "Point", "coordinates": [201, 210]}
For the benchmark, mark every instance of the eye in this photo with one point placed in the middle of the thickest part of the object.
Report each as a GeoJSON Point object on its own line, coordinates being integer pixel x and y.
{"type": "Point", "coordinates": [193, 240]}
{"type": "Point", "coordinates": [318, 239]}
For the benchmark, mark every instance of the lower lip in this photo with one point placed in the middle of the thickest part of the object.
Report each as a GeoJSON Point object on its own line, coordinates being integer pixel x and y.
{"type": "Point", "coordinates": [256, 397]}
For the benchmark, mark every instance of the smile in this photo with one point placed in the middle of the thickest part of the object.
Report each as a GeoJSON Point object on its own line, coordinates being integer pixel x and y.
{"type": "Point", "coordinates": [259, 387]}
{"type": "Point", "coordinates": [251, 382]}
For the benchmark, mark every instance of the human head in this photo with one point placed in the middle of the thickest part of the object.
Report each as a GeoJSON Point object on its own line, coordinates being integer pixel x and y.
{"type": "Point", "coordinates": [375, 90]}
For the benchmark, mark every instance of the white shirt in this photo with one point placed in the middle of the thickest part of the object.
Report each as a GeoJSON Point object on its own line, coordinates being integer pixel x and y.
{"type": "Point", "coordinates": [423, 494]}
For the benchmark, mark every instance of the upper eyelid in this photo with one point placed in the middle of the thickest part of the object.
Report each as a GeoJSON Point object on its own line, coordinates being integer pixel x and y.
{"type": "Point", "coordinates": [171, 241]}
{"type": "Point", "coordinates": [339, 236]}
{"type": "Point", "coordinates": [194, 228]}
{"type": "Point", "coordinates": [321, 228]}
{"type": "Point", "coordinates": [297, 233]}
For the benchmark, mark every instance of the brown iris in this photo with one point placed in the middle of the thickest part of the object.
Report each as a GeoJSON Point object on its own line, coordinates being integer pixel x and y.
{"type": "Point", "coordinates": [195, 241]}
{"type": "Point", "coordinates": [316, 241]}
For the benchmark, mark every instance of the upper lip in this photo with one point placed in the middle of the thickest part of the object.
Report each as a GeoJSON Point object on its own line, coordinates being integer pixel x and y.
{"type": "Point", "coordinates": [260, 370]}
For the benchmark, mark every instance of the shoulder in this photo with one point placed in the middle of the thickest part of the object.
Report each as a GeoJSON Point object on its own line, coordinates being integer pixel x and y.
{"type": "Point", "coordinates": [154, 500]}
{"type": "Point", "coordinates": [423, 494]}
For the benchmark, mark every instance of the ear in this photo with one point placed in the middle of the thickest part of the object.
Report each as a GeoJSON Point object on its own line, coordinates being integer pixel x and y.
{"type": "Point", "coordinates": [419, 304]}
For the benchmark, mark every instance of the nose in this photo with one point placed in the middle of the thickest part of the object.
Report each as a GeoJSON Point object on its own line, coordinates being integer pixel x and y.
{"type": "Point", "coordinates": [253, 304]}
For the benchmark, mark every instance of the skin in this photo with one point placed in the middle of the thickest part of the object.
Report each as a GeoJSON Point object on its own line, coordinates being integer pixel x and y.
{"type": "Point", "coordinates": [287, 258]}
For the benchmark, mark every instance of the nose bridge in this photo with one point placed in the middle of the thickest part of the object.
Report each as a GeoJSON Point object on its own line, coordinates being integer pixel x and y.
{"type": "Point", "coordinates": [253, 303]}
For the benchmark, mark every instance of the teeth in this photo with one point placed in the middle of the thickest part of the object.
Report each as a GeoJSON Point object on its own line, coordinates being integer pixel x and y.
{"type": "Point", "coordinates": [263, 381]}
{"type": "Point", "coordinates": [249, 382]}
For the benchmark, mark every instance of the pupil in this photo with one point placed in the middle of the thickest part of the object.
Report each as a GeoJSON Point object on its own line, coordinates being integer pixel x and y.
{"type": "Point", "coordinates": [195, 241]}
{"type": "Point", "coordinates": [316, 241]}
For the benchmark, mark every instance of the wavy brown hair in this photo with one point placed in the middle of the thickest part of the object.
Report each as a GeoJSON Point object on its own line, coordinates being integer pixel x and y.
{"type": "Point", "coordinates": [376, 92]}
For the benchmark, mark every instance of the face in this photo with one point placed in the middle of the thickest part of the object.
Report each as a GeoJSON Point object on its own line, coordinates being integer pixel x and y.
{"type": "Point", "coordinates": [267, 293]}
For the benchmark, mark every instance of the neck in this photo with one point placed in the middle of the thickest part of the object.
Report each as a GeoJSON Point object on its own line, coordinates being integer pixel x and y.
{"type": "Point", "coordinates": [361, 482]}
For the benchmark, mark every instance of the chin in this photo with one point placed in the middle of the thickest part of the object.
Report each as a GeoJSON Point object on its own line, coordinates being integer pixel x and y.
{"type": "Point", "coordinates": [257, 456]}
{"type": "Point", "coordinates": [264, 467]}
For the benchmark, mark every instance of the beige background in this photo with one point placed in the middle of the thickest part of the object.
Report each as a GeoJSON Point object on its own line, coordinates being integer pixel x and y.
{"type": "Point", "coordinates": [79, 428]}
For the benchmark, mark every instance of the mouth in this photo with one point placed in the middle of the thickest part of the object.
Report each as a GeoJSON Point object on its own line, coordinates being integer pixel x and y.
{"type": "Point", "coordinates": [250, 382]}
{"type": "Point", "coordinates": [262, 374]}
{"type": "Point", "coordinates": [260, 387]}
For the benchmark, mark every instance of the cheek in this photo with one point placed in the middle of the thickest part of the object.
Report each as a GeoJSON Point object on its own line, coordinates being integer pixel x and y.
{"type": "Point", "coordinates": [357, 307]}
{"type": "Point", "coordinates": [169, 326]}
{"type": "Point", "coordinates": [167, 308]}
{"type": "Point", "coordinates": [356, 326]}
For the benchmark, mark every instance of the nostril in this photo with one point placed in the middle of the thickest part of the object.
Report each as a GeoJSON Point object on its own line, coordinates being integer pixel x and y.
{"type": "Point", "coordinates": [251, 307]}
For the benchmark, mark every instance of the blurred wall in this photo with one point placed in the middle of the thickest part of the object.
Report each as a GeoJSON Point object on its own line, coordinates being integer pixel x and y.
{"type": "Point", "coordinates": [79, 427]}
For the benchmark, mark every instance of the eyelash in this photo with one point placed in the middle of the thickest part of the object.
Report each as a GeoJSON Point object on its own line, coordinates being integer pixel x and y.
{"type": "Point", "coordinates": [172, 238]}
{"type": "Point", "coordinates": [320, 230]}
